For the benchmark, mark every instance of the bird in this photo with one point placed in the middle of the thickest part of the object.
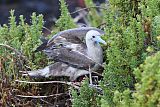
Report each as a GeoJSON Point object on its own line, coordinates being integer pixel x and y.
{"type": "Point", "coordinates": [75, 51]}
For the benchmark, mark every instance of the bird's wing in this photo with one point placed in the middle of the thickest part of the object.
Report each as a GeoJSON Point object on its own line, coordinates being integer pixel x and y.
{"type": "Point", "coordinates": [71, 56]}
{"type": "Point", "coordinates": [75, 35]}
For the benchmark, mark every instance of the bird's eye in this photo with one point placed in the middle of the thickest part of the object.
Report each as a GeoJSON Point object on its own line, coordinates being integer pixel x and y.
{"type": "Point", "coordinates": [93, 36]}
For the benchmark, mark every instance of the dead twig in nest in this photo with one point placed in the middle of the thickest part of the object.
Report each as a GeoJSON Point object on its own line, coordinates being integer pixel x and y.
{"type": "Point", "coordinates": [53, 95]}
{"type": "Point", "coordinates": [87, 8]}
{"type": "Point", "coordinates": [49, 82]}
{"type": "Point", "coordinates": [46, 102]}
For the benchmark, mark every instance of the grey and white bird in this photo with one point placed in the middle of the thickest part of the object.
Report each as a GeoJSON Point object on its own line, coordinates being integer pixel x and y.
{"type": "Point", "coordinates": [74, 51]}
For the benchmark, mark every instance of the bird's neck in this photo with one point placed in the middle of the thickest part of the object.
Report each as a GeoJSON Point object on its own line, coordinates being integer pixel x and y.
{"type": "Point", "coordinates": [94, 51]}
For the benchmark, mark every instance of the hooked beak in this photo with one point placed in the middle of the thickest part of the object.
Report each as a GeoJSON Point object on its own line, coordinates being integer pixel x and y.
{"type": "Point", "coordinates": [99, 40]}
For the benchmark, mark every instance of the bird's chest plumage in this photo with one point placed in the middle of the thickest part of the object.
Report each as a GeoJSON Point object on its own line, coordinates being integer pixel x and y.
{"type": "Point", "coordinates": [95, 52]}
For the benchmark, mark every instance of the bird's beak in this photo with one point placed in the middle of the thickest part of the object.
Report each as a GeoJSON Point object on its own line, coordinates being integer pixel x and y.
{"type": "Point", "coordinates": [99, 40]}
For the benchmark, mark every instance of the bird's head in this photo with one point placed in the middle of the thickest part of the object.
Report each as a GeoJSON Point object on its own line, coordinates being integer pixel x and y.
{"type": "Point", "coordinates": [94, 36]}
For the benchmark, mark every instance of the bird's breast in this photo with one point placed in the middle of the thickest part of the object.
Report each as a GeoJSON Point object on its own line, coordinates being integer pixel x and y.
{"type": "Point", "coordinates": [96, 54]}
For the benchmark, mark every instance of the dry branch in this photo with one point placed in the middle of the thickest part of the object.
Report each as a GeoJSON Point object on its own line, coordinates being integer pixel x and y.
{"type": "Point", "coordinates": [13, 49]}
{"type": "Point", "coordinates": [53, 95]}
{"type": "Point", "coordinates": [49, 82]}
{"type": "Point", "coordinates": [87, 8]}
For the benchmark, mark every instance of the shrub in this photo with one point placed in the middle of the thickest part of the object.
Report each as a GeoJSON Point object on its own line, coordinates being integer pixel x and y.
{"type": "Point", "coordinates": [24, 38]}
{"type": "Point", "coordinates": [148, 87]}
{"type": "Point", "coordinates": [147, 90]}
{"type": "Point", "coordinates": [87, 96]}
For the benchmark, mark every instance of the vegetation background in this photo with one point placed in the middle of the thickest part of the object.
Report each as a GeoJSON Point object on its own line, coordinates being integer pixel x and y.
{"type": "Point", "coordinates": [132, 58]}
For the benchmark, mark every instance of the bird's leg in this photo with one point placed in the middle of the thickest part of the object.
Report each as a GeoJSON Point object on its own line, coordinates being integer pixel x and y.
{"type": "Point", "coordinates": [90, 76]}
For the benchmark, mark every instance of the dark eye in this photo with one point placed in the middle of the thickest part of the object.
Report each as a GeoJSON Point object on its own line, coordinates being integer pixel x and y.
{"type": "Point", "coordinates": [93, 36]}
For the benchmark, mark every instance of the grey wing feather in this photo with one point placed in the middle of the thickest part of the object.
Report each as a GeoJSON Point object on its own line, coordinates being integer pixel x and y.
{"type": "Point", "coordinates": [70, 57]}
{"type": "Point", "coordinates": [75, 35]}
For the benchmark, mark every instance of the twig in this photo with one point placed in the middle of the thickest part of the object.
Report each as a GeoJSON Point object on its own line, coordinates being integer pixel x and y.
{"type": "Point", "coordinates": [47, 102]}
{"type": "Point", "coordinates": [39, 96]}
{"type": "Point", "coordinates": [46, 82]}
{"type": "Point", "coordinates": [47, 29]}
{"type": "Point", "coordinates": [87, 8]}
{"type": "Point", "coordinates": [80, 16]}
{"type": "Point", "coordinates": [49, 82]}
{"type": "Point", "coordinates": [13, 49]}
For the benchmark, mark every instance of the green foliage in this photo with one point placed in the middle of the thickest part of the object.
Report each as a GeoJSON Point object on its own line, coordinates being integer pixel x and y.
{"type": "Point", "coordinates": [86, 98]}
{"type": "Point", "coordinates": [122, 99]}
{"type": "Point", "coordinates": [150, 8]}
{"type": "Point", "coordinates": [124, 53]}
{"type": "Point", "coordinates": [147, 90]}
{"type": "Point", "coordinates": [23, 38]}
{"type": "Point", "coordinates": [148, 87]}
{"type": "Point", "coordinates": [65, 21]}
{"type": "Point", "coordinates": [150, 13]}
{"type": "Point", "coordinates": [126, 8]}
{"type": "Point", "coordinates": [156, 31]}
{"type": "Point", "coordinates": [32, 41]}
{"type": "Point", "coordinates": [93, 16]}
{"type": "Point", "coordinates": [127, 51]}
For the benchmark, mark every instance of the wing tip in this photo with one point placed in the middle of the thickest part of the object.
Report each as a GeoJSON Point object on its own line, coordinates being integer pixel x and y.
{"type": "Point", "coordinates": [43, 45]}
